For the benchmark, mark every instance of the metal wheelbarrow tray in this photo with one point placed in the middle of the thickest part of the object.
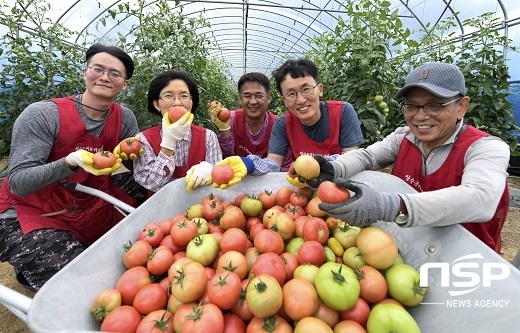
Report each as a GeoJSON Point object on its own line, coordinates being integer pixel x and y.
{"type": "Point", "coordinates": [471, 288]}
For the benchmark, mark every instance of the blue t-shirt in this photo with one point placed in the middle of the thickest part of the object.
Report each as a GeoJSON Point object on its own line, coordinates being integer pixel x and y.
{"type": "Point", "coordinates": [350, 134]}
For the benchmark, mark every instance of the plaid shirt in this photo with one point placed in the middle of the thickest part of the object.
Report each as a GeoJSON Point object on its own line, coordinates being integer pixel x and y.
{"type": "Point", "coordinates": [149, 169]}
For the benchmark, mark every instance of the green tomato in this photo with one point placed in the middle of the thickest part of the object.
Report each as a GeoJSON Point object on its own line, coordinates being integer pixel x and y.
{"type": "Point", "coordinates": [337, 286]}
{"type": "Point", "coordinates": [382, 105]}
{"type": "Point", "coordinates": [251, 207]}
{"type": "Point", "coordinates": [293, 245]}
{"type": "Point", "coordinates": [353, 258]}
{"type": "Point", "coordinates": [391, 318]}
{"type": "Point", "coordinates": [378, 99]}
{"type": "Point", "coordinates": [403, 284]}
{"type": "Point", "coordinates": [346, 234]}
{"type": "Point", "coordinates": [202, 249]}
{"type": "Point", "coordinates": [329, 254]}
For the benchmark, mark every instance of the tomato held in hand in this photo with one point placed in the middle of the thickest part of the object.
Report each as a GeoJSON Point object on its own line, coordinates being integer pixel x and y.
{"type": "Point", "coordinates": [224, 114]}
{"type": "Point", "coordinates": [222, 173]}
{"type": "Point", "coordinates": [176, 112]}
{"type": "Point", "coordinates": [104, 159]}
{"type": "Point", "coordinates": [307, 166]}
{"type": "Point", "coordinates": [328, 192]}
{"type": "Point", "coordinates": [130, 146]}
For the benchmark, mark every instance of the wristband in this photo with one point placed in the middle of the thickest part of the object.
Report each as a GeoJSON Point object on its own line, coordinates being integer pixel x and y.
{"type": "Point", "coordinates": [250, 165]}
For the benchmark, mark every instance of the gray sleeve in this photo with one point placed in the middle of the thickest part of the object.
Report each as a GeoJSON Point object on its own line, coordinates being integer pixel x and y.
{"type": "Point", "coordinates": [34, 133]}
{"type": "Point", "coordinates": [278, 142]}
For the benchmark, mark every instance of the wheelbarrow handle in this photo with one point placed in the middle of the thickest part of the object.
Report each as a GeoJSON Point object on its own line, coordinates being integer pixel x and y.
{"type": "Point", "coordinates": [122, 206]}
{"type": "Point", "coordinates": [14, 301]}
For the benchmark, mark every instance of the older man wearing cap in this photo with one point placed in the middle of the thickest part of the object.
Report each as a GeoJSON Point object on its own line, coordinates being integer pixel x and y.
{"type": "Point", "coordinates": [458, 171]}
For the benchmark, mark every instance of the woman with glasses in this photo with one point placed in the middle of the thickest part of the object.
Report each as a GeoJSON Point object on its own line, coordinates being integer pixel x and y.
{"type": "Point", "coordinates": [310, 125]}
{"type": "Point", "coordinates": [43, 225]}
{"type": "Point", "coordinates": [179, 149]}
{"type": "Point", "coordinates": [459, 171]}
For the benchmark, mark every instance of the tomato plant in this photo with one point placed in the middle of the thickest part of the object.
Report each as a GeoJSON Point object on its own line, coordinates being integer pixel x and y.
{"type": "Point", "coordinates": [103, 159]}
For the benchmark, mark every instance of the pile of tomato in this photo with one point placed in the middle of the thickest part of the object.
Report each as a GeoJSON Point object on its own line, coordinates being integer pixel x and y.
{"type": "Point", "coordinates": [271, 262]}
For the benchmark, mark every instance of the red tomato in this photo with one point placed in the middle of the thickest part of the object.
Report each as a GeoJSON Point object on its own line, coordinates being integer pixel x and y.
{"type": "Point", "coordinates": [234, 239]}
{"type": "Point", "coordinates": [160, 261]}
{"type": "Point", "coordinates": [251, 255]}
{"type": "Point", "coordinates": [137, 254]}
{"type": "Point", "coordinates": [294, 211]}
{"type": "Point", "coordinates": [272, 264]}
{"type": "Point", "coordinates": [130, 146]}
{"type": "Point", "coordinates": [168, 242]}
{"type": "Point", "coordinates": [348, 326]}
{"type": "Point", "coordinates": [312, 325]}
{"type": "Point", "coordinates": [103, 159]}
{"type": "Point", "coordinates": [283, 195]}
{"type": "Point", "coordinates": [224, 114]}
{"type": "Point", "coordinates": [283, 224]}
{"type": "Point", "coordinates": [240, 308]}
{"type": "Point", "coordinates": [298, 225]}
{"type": "Point", "coordinates": [124, 318]}
{"type": "Point", "coordinates": [264, 296]}
{"type": "Point", "coordinates": [239, 198]}
{"type": "Point", "coordinates": [267, 199]}
{"type": "Point", "coordinates": [291, 263]}
{"type": "Point", "coordinates": [233, 261]}
{"type": "Point", "coordinates": [152, 233]}
{"type": "Point", "coordinates": [204, 317]}
{"type": "Point", "coordinates": [268, 240]}
{"type": "Point", "coordinates": [105, 301]}
{"type": "Point", "coordinates": [311, 252]}
{"type": "Point", "coordinates": [158, 321]}
{"type": "Point", "coordinates": [313, 209]}
{"type": "Point", "coordinates": [224, 290]}
{"type": "Point", "coordinates": [131, 281]}
{"type": "Point", "coordinates": [150, 298]}
{"type": "Point", "coordinates": [233, 217]}
{"type": "Point", "coordinates": [183, 232]}
{"type": "Point", "coordinates": [222, 173]}
{"type": "Point", "coordinates": [176, 112]}
{"type": "Point", "coordinates": [372, 283]}
{"type": "Point", "coordinates": [212, 209]}
{"type": "Point", "coordinates": [330, 193]}
{"type": "Point", "coordinates": [233, 324]}
{"type": "Point", "coordinates": [359, 313]}
{"type": "Point", "coordinates": [326, 313]}
{"type": "Point", "coordinates": [189, 282]}
{"type": "Point", "coordinates": [307, 166]}
{"type": "Point", "coordinates": [179, 318]}
{"type": "Point", "coordinates": [166, 226]}
{"type": "Point", "coordinates": [316, 229]}
{"type": "Point", "coordinates": [377, 246]}
{"type": "Point", "coordinates": [256, 229]}
{"type": "Point", "coordinates": [300, 298]}
{"type": "Point", "coordinates": [251, 221]}
{"type": "Point", "coordinates": [298, 198]}
{"type": "Point", "coordinates": [274, 324]}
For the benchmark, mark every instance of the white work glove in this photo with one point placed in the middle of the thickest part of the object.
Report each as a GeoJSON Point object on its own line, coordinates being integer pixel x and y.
{"type": "Point", "coordinates": [83, 159]}
{"type": "Point", "coordinates": [171, 133]}
{"type": "Point", "coordinates": [198, 175]}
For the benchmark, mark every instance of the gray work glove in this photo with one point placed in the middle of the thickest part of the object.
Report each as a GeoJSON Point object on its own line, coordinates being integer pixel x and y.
{"type": "Point", "coordinates": [326, 173]}
{"type": "Point", "coordinates": [365, 207]}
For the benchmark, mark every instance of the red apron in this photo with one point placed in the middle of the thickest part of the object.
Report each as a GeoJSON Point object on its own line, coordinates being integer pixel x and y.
{"type": "Point", "coordinates": [408, 166]}
{"type": "Point", "coordinates": [301, 143]}
{"type": "Point", "coordinates": [89, 217]}
{"type": "Point", "coordinates": [243, 145]}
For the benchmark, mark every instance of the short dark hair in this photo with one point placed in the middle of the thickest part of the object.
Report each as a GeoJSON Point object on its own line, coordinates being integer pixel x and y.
{"type": "Point", "coordinates": [163, 79]}
{"type": "Point", "coordinates": [114, 51]}
{"type": "Point", "coordinates": [255, 77]}
{"type": "Point", "coordinates": [296, 68]}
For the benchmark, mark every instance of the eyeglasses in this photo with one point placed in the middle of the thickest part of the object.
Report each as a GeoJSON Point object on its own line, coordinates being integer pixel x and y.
{"type": "Point", "coordinates": [171, 98]}
{"type": "Point", "coordinates": [98, 71]}
{"type": "Point", "coordinates": [249, 97]}
{"type": "Point", "coordinates": [305, 91]}
{"type": "Point", "coordinates": [431, 109]}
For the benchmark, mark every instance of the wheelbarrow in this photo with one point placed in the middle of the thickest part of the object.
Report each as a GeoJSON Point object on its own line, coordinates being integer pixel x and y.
{"type": "Point", "coordinates": [471, 288]}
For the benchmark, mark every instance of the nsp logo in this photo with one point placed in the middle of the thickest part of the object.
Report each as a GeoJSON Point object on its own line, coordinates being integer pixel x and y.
{"type": "Point", "coordinates": [469, 275]}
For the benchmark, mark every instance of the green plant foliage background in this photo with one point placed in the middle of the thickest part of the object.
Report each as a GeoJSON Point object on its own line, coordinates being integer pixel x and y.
{"type": "Point", "coordinates": [367, 56]}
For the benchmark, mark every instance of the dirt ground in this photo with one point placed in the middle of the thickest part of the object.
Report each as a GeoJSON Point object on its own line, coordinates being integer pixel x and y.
{"type": "Point", "coordinates": [510, 246]}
